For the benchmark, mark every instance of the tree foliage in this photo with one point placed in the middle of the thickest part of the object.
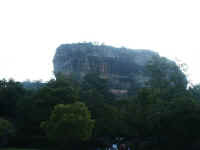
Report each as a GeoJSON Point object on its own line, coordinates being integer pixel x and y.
{"type": "Point", "coordinates": [6, 130]}
{"type": "Point", "coordinates": [167, 77]}
{"type": "Point", "coordinates": [69, 123]}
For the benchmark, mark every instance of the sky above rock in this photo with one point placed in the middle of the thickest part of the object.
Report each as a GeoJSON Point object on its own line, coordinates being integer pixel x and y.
{"type": "Point", "coordinates": [31, 30]}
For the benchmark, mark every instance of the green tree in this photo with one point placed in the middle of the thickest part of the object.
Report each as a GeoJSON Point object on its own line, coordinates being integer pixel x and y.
{"type": "Point", "coordinates": [195, 91]}
{"type": "Point", "coordinates": [6, 130]}
{"type": "Point", "coordinates": [10, 93]}
{"type": "Point", "coordinates": [167, 77]}
{"type": "Point", "coordinates": [164, 124]}
{"type": "Point", "coordinates": [107, 121]}
{"type": "Point", "coordinates": [95, 90]}
{"type": "Point", "coordinates": [69, 123]}
{"type": "Point", "coordinates": [37, 106]}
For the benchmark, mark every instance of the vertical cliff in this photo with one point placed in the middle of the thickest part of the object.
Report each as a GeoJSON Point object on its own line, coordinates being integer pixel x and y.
{"type": "Point", "coordinates": [121, 66]}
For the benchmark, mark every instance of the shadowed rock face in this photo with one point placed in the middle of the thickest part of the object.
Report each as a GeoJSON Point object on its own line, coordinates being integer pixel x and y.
{"type": "Point", "coordinates": [120, 65]}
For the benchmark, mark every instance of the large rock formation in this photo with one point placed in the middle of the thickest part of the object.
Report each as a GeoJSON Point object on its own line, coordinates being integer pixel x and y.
{"type": "Point", "coordinates": [121, 66]}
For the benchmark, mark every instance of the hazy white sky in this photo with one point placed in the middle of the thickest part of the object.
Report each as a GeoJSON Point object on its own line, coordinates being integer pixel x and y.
{"type": "Point", "coordinates": [30, 31]}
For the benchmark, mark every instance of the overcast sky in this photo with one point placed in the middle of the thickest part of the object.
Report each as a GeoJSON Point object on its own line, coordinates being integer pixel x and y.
{"type": "Point", "coordinates": [30, 31]}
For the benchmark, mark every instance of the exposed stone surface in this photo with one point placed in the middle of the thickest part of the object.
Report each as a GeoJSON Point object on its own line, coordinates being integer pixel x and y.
{"type": "Point", "coordinates": [121, 66]}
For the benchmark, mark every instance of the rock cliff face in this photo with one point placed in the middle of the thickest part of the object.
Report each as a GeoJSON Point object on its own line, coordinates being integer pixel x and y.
{"type": "Point", "coordinates": [121, 66]}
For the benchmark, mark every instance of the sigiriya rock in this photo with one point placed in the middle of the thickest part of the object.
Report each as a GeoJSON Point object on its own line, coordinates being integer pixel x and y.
{"type": "Point", "coordinates": [121, 66]}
